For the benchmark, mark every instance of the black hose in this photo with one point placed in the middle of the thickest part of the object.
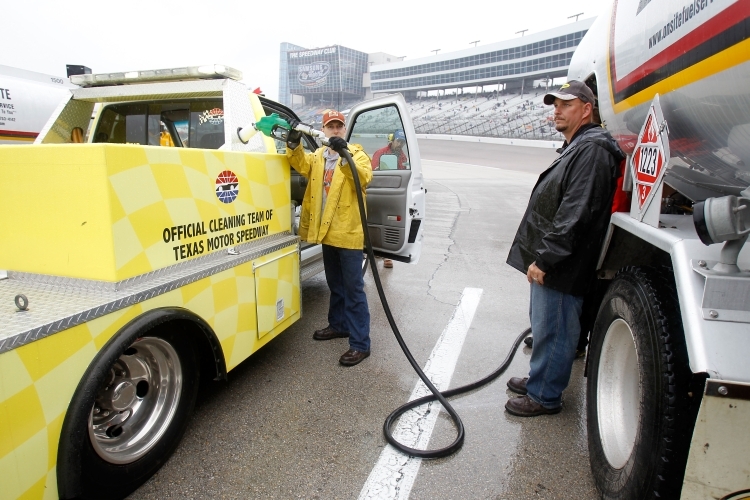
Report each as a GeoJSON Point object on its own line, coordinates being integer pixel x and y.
{"type": "Point", "coordinates": [436, 395]}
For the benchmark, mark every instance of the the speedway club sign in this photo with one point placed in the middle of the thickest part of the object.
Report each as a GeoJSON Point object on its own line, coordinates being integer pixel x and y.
{"type": "Point", "coordinates": [648, 165]}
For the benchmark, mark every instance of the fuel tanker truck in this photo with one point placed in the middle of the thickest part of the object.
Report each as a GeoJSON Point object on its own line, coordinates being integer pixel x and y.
{"type": "Point", "coordinates": [668, 372]}
{"type": "Point", "coordinates": [147, 251]}
{"type": "Point", "coordinates": [27, 99]}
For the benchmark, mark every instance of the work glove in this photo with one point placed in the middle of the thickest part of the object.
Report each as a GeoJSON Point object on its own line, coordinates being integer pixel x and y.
{"type": "Point", "coordinates": [293, 139]}
{"type": "Point", "coordinates": [337, 144]}
{"type": "Point", "coordinates": [293, 122]}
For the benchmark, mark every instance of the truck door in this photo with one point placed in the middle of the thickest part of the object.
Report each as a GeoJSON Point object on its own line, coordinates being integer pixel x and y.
{"type": "Point", "coordinates": [396, 195]}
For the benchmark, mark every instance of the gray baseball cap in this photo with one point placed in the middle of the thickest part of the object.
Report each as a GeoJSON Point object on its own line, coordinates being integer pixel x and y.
{"type": "Point", "coordinates": [571, 90]}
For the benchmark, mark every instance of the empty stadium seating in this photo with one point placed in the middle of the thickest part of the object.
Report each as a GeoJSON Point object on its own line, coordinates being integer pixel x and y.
{"type": "Point", "coordinates": [483, 115]}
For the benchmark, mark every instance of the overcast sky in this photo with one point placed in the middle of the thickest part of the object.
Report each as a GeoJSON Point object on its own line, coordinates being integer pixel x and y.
{"type": "Point", "coordinates": [45, 35]}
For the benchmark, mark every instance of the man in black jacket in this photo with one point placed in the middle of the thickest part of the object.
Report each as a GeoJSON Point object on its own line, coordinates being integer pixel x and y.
{"type": "Point", "coordinates": [557, 246]}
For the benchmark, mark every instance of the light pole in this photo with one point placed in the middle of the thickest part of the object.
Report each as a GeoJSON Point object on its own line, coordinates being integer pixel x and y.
{"type": "Point", "coordinates": [523, 32]}
{"type": "Point", "coordinates": [436, 51]}
{"type": "Point", "coordinates": [575, 15]}
{"type": "Point", "coordinates": [475, 42]}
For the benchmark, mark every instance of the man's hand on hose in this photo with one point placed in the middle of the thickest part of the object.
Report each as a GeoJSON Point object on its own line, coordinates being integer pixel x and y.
{"type": "Point", "coordinates": [337, 144]}
{"type": "Point", "coordinates": [293, 122]}
{"type": "Point", "coordinates": [293, 139]}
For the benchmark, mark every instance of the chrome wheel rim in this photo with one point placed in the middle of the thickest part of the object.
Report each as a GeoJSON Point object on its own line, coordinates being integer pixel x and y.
{"type": "Point", "coordinates": [618, 394]}
{"type": "Point", "coordinates": [137, 402]}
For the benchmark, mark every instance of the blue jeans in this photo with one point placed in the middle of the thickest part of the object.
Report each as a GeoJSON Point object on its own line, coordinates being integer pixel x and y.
{"type": "Point", "coordinates": [556, 326]}
{"type": "Point", "coordinates": [348, 310]}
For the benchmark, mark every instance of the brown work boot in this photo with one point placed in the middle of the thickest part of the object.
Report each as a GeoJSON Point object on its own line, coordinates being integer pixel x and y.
{"type": "Point", "coordinates": [353, 357]}
{"type": "Point", "coordinates": [518, 385]}
{"type": "Point", "coordinates": [524, 406]}
{"type": "Point", "coordinates": [329, 333]}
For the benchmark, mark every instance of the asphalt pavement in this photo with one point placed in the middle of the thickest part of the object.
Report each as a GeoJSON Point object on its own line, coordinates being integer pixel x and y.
{"type": "Point", "coordinates": [292, 423]}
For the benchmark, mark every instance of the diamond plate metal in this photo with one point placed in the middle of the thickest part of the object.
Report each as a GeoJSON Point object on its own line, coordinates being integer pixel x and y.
{"type": "Point", "coordinates": [726, 297]}
{"type": "Point", "coordinates": [68, 115]}
{"type": "Point", "coordinates": [151, 91]}
{"type": "Point", "coordinates": [311, 268]}
{"type": "Point", "coordinates": [238, 112]}
{"type": "Point", "coordinates": [56, 304]}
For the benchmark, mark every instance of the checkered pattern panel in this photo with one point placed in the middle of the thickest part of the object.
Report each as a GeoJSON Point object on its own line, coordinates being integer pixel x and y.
{"type": "Point", "coordinates": [155, 189]}
{"type": "Point", "coordinates": [38, 380]}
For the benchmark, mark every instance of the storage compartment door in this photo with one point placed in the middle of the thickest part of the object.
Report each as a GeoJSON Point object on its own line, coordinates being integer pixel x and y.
{"type": "Point", "coordinates": [277, 294]}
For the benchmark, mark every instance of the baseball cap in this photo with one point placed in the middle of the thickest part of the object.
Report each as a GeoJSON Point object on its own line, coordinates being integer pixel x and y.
{"type": "Point", "coordinates": [333, 115]}
{"type": "Point", "coordinates": [571, 90]}
{"type": "Point", "coordinates": [398, 135]}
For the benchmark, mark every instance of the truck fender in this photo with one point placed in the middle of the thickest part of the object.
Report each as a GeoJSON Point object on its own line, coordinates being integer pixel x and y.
{"type": "Point", "coordinates": [208, 353]}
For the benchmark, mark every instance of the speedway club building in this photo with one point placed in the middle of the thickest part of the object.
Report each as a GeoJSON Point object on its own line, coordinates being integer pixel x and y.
{"type": "Point", "coordinates": [328, 76]}
{"type": "Point", "coordinates": [339, 75]}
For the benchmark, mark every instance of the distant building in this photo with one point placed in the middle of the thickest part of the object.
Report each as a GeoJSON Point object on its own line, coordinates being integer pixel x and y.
{"type": "Point", "coordinates": [328, 76]}
{"type": "Point", "coordinates": [509, 65]}
{"type": "Point", "coordinates": [338, 76]}
{"type": "Point", "coordinates": [284, 94]}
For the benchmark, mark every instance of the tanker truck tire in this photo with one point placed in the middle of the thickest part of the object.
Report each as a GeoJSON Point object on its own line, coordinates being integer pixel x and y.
{"type": "Point", "coordinates": [128, 414]}
{"type": "Point", "coordinates": [638, 417]}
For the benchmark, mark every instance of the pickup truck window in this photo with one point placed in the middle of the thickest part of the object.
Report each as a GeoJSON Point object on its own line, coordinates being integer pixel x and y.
{"type": "Point", "coordinates": [380, 132]}
{"type": "Point", "coordinates": [188, 124]}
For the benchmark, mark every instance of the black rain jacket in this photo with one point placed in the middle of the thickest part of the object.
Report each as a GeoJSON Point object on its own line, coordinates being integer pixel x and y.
{"type": "Point", "coordinates": [569, 211]}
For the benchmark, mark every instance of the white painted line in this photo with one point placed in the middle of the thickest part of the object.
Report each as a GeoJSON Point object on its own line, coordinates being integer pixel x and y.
{"type": "Point", "coordinates": [394, 474]}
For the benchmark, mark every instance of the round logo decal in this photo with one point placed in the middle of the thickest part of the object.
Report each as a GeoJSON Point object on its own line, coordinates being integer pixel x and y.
{"type": "Point", "coordinates": [227, 186]}
{"type": "Point", "coordinates": [313, 75]}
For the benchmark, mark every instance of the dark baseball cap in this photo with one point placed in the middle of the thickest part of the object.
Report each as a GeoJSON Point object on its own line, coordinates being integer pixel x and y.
{"type": "Point", "coordinates": [571, 90]}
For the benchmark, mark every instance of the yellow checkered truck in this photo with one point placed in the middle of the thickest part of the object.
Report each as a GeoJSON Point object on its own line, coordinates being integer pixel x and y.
{"type": "Point", "coordinates": [145, 250]}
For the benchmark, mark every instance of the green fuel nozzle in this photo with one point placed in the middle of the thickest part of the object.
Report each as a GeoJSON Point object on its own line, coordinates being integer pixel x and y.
{"type": "Point", "coordinates": [272, 126]}
{"type": "Point", "coordinates": [276, 127]}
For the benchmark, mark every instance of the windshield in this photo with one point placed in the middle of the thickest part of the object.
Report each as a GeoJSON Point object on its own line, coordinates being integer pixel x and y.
{"type": "Point", "coordinates": [187, 124]}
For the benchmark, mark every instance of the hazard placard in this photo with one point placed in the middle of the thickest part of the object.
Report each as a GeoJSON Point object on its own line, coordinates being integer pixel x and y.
{"type": "Point", "coordinates": [649, 163]}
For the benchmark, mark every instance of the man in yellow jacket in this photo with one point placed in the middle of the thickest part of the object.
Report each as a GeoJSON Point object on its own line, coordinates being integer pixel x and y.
{"type": "Point", "coordinates": [330, 216]}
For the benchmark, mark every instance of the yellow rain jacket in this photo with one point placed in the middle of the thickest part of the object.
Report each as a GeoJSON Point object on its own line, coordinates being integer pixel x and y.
{"type": "Point", "coordinates": [338, 225]}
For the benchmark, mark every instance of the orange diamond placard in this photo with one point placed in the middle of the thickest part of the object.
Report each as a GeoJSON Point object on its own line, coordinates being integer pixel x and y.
{"type": "Point", "coordinates": [650, 157]}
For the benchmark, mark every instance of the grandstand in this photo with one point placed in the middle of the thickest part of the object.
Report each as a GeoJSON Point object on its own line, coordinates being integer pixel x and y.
{"type": "Point", "coordinates": [522, 116]}
{"type": "Point", "coordinates": [436, 87]}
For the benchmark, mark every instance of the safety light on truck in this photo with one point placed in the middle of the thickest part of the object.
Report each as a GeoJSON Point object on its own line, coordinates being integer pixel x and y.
{"type": "Point", "coordinates": [206, 72]}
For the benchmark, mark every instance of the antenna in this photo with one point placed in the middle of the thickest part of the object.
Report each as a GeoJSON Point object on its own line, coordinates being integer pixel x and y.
{"type": "Point", "coordinates": [436, 51]}
{"type": "Point", "coordinates": [475, 42]}
{"type": "Point", "coordinates": [575, 15]}
{"type": "Point", "coordinates": [523, 32]}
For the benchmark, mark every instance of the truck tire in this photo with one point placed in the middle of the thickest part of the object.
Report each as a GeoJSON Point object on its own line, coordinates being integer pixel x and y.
{"type": "Point", "coordinates": [638, 417]}
{"type": "Point", "coordinates": [128, 414]}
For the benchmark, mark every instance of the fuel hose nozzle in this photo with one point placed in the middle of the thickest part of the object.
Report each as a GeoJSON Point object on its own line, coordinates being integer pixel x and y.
{"type": "Point", "coordinates": [276, 127]}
